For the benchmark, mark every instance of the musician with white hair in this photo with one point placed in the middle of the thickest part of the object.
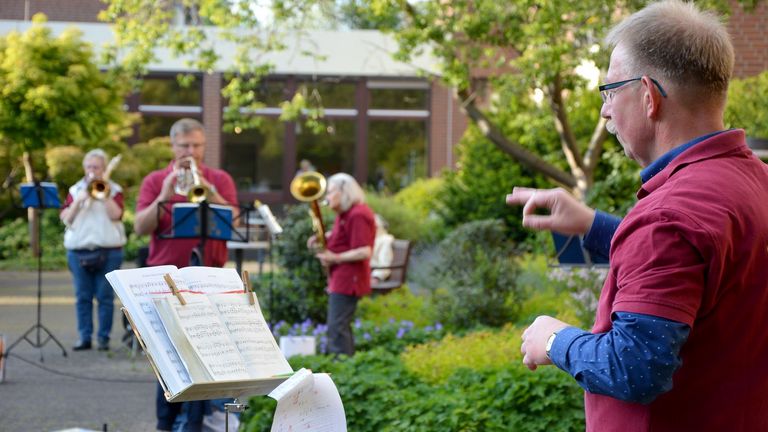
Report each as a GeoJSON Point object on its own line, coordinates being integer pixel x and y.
{"type": "Point", "coordinates": [94, 239]}
{"type": "Point", "coordinates": [347, 258]}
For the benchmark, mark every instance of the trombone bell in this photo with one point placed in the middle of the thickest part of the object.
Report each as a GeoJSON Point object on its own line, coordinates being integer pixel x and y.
{"type": "Point", "coordinates": [309, 187]}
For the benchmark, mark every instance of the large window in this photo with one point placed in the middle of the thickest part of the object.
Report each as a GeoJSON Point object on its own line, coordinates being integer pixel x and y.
{"type": "Point", "coordinates": [397, 152]}
{"type": "Point", "coordinates": [332, 151]}
{"type": "Point", "coordinates": [254, 158]}
{"type": "Point", "coordinates": [163, 101]}
{"type": "Point", "coordinates": [168, 91]}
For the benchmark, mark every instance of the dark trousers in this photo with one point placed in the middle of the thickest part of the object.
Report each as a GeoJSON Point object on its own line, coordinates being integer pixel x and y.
{"type": "Point", "coordinates": [341, 311]}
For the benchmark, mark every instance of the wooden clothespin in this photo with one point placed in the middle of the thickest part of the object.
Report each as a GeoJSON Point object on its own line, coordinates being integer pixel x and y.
{"type": "Point", "coordinates": [247, 286]}
{"type": "Point", "coordinates": [174, 289]}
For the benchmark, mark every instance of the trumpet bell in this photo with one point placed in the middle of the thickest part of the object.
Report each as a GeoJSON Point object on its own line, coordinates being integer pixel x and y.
{"type": "Point", "coordinates": [98, 189]}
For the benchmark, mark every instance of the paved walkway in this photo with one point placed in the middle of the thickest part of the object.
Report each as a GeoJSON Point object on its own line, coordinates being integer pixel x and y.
{"type": "Point", "coordinates": [86, 389]}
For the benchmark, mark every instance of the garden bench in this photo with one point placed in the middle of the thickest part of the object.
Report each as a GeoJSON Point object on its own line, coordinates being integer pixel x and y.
{"type": "Point", "coordinates": [401, 252]}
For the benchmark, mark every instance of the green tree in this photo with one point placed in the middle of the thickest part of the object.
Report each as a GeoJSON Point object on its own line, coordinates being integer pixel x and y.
{"type": "Point", "coordinates": [497, 55]}
{"type": "Point", "coordinates": [52, 93]}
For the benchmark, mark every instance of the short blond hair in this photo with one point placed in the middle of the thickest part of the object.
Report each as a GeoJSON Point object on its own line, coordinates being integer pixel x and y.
{"type": "Point", "coordinates": [677, 43]}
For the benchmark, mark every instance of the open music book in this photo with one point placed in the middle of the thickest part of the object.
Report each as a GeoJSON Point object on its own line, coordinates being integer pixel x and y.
{"type": "Point", "coordinates": [216, 345]}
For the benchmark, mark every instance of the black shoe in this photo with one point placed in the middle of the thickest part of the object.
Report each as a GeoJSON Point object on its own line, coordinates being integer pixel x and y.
{"type": "Point", "coordinates": [103, 346]}
{"type": "Point", "coordinates": [82, 346]}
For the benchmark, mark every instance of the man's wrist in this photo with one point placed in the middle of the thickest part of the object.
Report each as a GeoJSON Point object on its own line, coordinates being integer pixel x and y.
{"type": "Point", "coordinates": [550, 342]}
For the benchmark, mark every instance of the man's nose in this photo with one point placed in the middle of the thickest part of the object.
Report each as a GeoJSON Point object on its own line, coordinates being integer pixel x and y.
{"type": "Point", "coordinates": [605, 111]}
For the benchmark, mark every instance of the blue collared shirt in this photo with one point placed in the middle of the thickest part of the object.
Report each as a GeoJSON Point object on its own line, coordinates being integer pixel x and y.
{"type": "Point", "coordinates": [636, 359]}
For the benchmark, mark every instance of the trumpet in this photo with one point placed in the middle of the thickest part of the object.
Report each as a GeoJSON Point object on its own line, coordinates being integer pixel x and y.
{"type": "Point", "coordinates": [309, 187]}
{"type": "Point", "coordinates": [188, 183]}
{"type": "Point", "coordinates": [99, 188]}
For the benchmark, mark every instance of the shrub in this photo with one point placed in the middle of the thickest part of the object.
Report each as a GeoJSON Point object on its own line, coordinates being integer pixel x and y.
{"type": "Point", "coordinates": [394, 336]}
{"type": "Point", "coordinates": [299, 291]}
{"type": "Point", "coordinates": [476, 191]}
{"type": "Point", "coordinates": [746, 105]}
{"type": "Point", "coordinates": [65, 165]}
{"type": "Point", "coordinates": [435, 362]}
{"type": "Point", "coordinates": [400, 305]}
{"type": "Point", "coordinates": [404, 222]}
{"type": "Point", "coordinates": [474, 277]}
{"type": "Point", "coordinates": [15, 251]}
{"type": "Point", "coordinates": [381, 395]}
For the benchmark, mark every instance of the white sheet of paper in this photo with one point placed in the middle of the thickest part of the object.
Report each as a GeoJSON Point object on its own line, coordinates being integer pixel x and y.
{"type": "Point", "coordinates": [251, 335]}
{"type": "Point", "coordinates": [137, 288]}
{"type": "Point", "coordinates": [308, 401]}
{"type": "Point", "coordinates": [209, 338]}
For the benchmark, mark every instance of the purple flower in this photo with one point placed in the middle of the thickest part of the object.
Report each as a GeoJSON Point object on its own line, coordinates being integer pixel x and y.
{"type": "Point", "coordinates": [400, 333]}
{"type": "Point", "coordinates": [438, 326]}
{"type": "Point", "coordinates": [367, 336]}
{"type": "Point", "coordinates": [358, 323]}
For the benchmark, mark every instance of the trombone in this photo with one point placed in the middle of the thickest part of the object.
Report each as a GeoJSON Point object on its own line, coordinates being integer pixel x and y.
{"type": "Point", "coordinates": [99, 188]}
{"type": "Point", "coordinates": [309, 187]}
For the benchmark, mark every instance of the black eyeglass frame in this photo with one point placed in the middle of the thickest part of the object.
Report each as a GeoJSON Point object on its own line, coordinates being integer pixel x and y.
{"type": "Point", "coordinates": [614, 85]}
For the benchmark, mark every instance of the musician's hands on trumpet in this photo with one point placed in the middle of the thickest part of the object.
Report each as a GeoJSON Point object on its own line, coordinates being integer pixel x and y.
{"type": "Point", "coordinates": [96, 188]}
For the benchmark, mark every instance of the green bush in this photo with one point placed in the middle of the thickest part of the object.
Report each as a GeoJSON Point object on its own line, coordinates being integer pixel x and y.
{"type": "Point", "coordinates": [400, 305]}
{"type": "Point", "coordinates": [477, 189]}
{"type": "Point", "coordinates": [403, 222]}
{"type": "Point", "coordinates": [474, 277]}
{"type": "Point", "coordinates": [299, 290]}
{"type": "Point", "coordinates": [746, 106]}
{"type": "Point", "coordinates": [435, 362]}
{"type": "Point", "coordinates": [15, 252]}
{"type": "Point", "coordinates": [381, 395]}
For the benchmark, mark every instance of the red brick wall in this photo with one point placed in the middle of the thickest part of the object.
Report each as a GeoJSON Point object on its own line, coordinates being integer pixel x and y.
{"type": "Point", "coordinates": [55, 10]}
{"type": "Point", "coordinates": [212, 119]}
{"type": "Point", "coordinates": [446, 126]}
{"type": "Point", "coordinates": [750, 39]}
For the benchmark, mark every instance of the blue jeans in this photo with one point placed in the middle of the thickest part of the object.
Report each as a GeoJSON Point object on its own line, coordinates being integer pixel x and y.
{"type": "Point", "coordinates": [90, 284]}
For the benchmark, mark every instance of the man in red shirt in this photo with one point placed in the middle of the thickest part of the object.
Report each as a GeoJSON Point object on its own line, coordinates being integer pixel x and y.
{"type": "Point", "coordinates": [187, 141]}
{"type": "Point", "coordinates": [679, 340]}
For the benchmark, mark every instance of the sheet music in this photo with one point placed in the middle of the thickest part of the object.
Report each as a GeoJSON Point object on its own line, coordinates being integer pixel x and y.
{"type": "Point", "coordinates": [210, 340]}
{"type": "Point", "coordinates": [136, 290]}
{"type": "Point", "coordinates": [249, 330]}
{"type": "Point", "coordinates": [211, 280]}
{"type": "Point", "coordinates": [308, 401]}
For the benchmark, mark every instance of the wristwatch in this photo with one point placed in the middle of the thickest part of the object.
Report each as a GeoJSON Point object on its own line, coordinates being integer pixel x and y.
{"type": "Point", "coordinates": [549, 344]}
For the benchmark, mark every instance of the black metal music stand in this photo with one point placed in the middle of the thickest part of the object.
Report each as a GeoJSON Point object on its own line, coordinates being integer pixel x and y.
{"type": "Point", "coordinates": [200, 224]}
{"type": "Point", "coordinates": [39, 196]}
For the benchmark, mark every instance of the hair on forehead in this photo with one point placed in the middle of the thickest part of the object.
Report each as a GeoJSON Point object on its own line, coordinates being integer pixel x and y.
{"type": "Point", "coordinates": [185, 126]}
{"type": "Point", "coordinates": [350, 191]}
{"type": "Point", "coordinates": [678, 43]}
{"type": "Point", "coordinates": [96, 153]}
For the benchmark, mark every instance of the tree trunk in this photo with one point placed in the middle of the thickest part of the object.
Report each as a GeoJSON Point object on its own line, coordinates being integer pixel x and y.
{"type": "Point", "coordinates": [32, 214]}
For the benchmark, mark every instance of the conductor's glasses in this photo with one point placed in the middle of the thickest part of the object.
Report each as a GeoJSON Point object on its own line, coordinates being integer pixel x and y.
{"type": "Point", "coordinates": [607, 91]}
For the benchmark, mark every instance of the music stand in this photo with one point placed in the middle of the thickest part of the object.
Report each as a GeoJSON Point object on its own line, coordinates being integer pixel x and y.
{"type": "Point", "coordinates": [202, 221]}
{"type": "Point", "coordinates": [275, 230]}
{"type": "Point", "coordinates": [39, 196]}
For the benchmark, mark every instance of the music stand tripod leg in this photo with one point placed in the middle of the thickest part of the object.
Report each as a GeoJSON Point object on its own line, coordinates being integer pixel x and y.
{"type": "Point", "coordinates": [38, 327]}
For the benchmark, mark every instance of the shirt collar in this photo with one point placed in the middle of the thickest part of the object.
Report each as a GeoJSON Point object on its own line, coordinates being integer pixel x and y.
{"type": "Point", "coordinates": [659, 164]}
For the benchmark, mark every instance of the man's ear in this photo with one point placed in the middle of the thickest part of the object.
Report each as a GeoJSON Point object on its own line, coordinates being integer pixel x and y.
{"type": "Point", "coordinates": [652, 98]}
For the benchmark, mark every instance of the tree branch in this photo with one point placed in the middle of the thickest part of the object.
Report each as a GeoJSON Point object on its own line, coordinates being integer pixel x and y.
{"type": "Point", "coordinates": [595, 147]}
{"type": "Point", "coordinates": [563, 126]}
{"type": "Point", "coordinates": [521, 154]}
